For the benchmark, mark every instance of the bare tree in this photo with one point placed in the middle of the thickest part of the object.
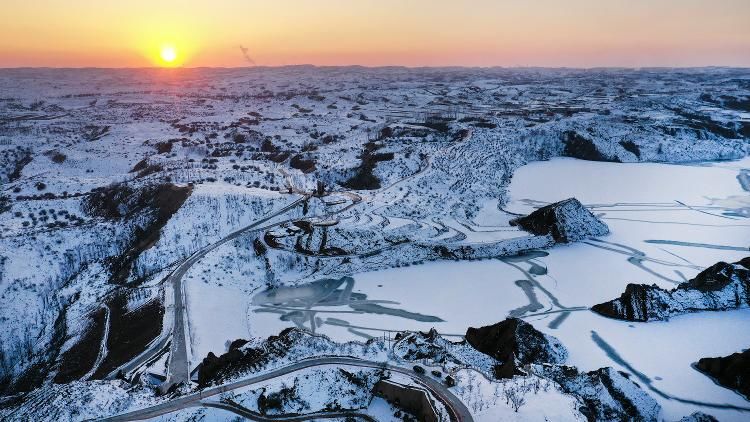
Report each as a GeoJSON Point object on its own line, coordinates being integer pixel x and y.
{"type": "Point", "coordinates": [514, 396]}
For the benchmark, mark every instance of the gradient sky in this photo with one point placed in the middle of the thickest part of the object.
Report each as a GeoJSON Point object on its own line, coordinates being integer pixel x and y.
{"type": "Point", "coordinates": [575, 33]}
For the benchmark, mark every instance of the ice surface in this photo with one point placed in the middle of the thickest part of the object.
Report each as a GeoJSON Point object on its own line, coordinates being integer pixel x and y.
{"type": "Point", "coordinates": [638, 203]}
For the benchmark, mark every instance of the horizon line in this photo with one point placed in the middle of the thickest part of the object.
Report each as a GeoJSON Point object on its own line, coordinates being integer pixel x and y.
{"type": "Point", "coordinates": [372, 67]}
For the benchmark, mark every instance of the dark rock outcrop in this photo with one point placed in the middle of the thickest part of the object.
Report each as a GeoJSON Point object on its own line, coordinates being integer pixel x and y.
{"type": "Point", "coordinates": [631, 147]}
{"type": "Point", "coordinates": [241, 356]}
{"type": "Point", "coordinates": [147, 208]}
{"type": "Point", "coordinates": [363, 177]}
{"type": "Point", "coordinates": [698, 417]}
{"type": "Point", "coordinates": [566, 221]}
{"type": "Point", "coordinates": [130, 331]}
{"type": "Point", "coordinates": [720, 287]}
{"type": "Point", "coordinates": [80, 358]}
{"type": "Point", "coordinates": [578, 146]}
{"type": "Point", "coordinates": [5, 203]}
{"type": "Point", "coordinates": [515, 343]}
{"type": "Point", "coordinates": [731, 371]}
{"type": "Point", "coordinates": [416, 346]}
{"type": "Point", "coordinates": [607, 395]}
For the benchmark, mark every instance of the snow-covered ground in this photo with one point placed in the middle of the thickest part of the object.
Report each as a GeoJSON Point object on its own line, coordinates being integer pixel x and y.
{"type": "Point", "coordinates": [491, 401]}
{"type": "Point", "coordinates": [640, 204]}
{"type": "Point", "coordinates": [394, 189]}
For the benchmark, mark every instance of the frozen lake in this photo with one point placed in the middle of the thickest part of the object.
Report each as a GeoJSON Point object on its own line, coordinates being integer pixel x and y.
{"type": "Point", "coordinates": [667, 223]}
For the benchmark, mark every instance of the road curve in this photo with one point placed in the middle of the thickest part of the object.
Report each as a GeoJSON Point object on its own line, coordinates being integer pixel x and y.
{"type": "Point", "coordinates": [457, 410]}
{"type": "Point", "coordinates": [179, 366]}
{"type": "Point", "coordinates": [255, 416]}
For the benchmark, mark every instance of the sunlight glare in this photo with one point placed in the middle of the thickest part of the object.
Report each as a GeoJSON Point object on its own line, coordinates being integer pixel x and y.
{"type": "Point", "coordinates": [168, 54]}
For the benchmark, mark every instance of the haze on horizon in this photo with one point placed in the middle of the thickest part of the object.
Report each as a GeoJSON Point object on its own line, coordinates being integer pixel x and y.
{"type": "Point", "coordinates": [574, 33]}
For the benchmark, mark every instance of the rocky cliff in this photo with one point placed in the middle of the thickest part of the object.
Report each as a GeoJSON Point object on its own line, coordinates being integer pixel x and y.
{"type": "Point", "coordinates": [698, 417]}
{"type": "Point", "coordinates": [515, 343]}
{"type": "Point", "coordinates": [720, 287]}
{"type": "Point", "coordinates": [606, 394]}
{"type": "Point", "coordinates": [731, 371]}
{"type": "Point", "coordinates": [566, 221]}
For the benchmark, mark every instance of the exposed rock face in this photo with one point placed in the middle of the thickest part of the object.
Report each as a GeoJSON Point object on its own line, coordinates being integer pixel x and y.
{"type": "Point", "coordinates": [212, 365]}
{"type": "Point", "coordinates": [607, 395]}
{"type": "Point", "coordinates": [566, 221]}
{"type": "Point", "coordinates": [240, 356]}
{"type": "Point", "coordinates": [417, 346]}
{"type": "Point", "coordinates": [430, 346]}
{"type": "Point", "coordinates": [515, 343]}
{"type": "Point", "coordinates": [698, 417]}
{"type": "Point", "coordinates": [149, 208]}
{"type": "Point", "coordinates": [583, 148]}
{"type": "Point", "coordinates": [720, 287]}
{"type": "Point", "coordinates": [731, 371]}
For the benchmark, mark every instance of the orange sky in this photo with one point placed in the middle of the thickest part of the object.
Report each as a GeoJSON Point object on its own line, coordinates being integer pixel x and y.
{"type": "Point", "coordinates": [577, 33]}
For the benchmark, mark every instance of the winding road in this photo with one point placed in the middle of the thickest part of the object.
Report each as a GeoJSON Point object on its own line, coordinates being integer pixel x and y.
{"type": "Point", "coordinates": [179, 365]}
{"type": "Point", "coordinates": [249, 414]}
{"type": "Point", "coordinates": [178, 371]}
{"type": "Point", "coordinates": [458, 411]}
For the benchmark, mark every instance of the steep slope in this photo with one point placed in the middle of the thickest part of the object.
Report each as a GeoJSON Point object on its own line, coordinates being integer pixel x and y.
{"type": "Point", "coordinates": [731, 371]}
{"type": "Point", "coordinates": [567, 221]}
{"type": "Point", "coordinates": [607, 395]}
{"type": "Point", "coordinates": [515, 343]}
{"type": "Point", "coordinates": [720, 287]}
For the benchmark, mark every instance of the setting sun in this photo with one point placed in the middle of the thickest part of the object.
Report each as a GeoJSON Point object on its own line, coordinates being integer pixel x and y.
{"type": "Point", "coordinates": [168, 54]}
{"type": "Point", "coordinates": [390, 210]}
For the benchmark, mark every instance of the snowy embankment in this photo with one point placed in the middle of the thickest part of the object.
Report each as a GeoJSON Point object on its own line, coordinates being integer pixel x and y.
{"type": "Point", "coordinates": [79, 401]}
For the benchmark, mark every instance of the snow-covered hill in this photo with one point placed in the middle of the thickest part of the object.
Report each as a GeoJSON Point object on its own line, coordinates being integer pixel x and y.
{"type": "Point", "coordinates": [149, 217]}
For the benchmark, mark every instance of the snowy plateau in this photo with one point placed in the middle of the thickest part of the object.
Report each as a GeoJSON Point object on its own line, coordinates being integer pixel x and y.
{"type": "Point", "coordinates": [379, 244]}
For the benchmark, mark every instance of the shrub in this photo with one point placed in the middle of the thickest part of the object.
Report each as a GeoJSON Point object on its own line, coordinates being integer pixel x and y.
{"type": "Point", "coordinates": [631, 147]}
{"type": "Point", "coordinates": [5, 205]}
{"type": "Point", "coordinates": [306, 165]}
{"type": "Point", "coordinates": [163, 147]}
{"type": "Point", "coordinates": [268, 146]}
{"type": "Point", "coordinates": [58, 157]}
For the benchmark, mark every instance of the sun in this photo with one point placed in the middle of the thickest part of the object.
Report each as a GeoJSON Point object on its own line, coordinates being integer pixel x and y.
{"type": "Point", "coordinates": [168, 54]}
